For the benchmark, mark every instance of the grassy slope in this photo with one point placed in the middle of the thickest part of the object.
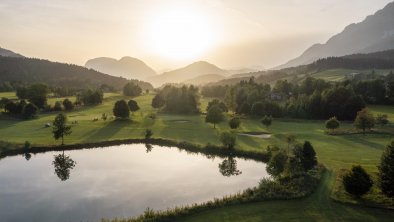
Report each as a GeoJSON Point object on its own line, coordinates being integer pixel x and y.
{"type": "Point", "coordinates": [340, 74]}
{"type": "Point", "coordinates": [336, 152]}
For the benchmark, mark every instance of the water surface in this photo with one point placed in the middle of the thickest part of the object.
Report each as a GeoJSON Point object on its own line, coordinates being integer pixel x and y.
{"type": "Point", "coordinates": [118, 181]}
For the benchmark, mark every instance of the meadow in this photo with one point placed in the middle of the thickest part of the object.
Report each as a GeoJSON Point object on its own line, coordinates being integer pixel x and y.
{"type": "Point", "coordinates": [335, 152]}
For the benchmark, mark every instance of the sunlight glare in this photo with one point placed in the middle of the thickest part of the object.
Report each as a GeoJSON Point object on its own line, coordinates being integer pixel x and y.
{"type": "Point", "coordinates": [179, 34]}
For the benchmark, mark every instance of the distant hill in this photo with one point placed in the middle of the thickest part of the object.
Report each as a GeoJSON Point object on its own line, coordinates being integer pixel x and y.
{"type": "Point", "coordinates": [375, 33]}
{"type": "Point", "coordinates": [189, 72]}
{"type": "Point", "coordinates": [204, 79]}
{"type": "Point", "coordinates": [28, 70]}
{"type": "Point", "coordinates": [9, 53]}
{"type": "Point", "coordinates": [126, 67]}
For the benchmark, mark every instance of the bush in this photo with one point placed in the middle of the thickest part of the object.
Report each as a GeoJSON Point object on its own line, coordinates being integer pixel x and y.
{"type": "Point", "coordinates": [382, 119]}
{"type": "Point", "coordinates": [277, 164]}
{"type": "Point", "coordinates": [386, 171]}
{"type": "Point", "coordinates": [357, 182]}
{"type": "Point", "coordinates": [228, 140]}
{"type": "Point", "coordinates": [267, 121]}
{"type": "Point", "coordinates": [234, 122]}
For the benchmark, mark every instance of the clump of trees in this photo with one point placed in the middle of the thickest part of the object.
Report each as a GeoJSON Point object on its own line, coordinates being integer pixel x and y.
{"type": "Point", "coordinates": [90, 97]}
{"type": "Point", "coordinates": [357, 181]}
{"type": "Point", "coordinates": [60, 127]}
{"type": "Point", "coordinates": [35, 93]}
{"type": "Point", "coordinates": [179, 100]}
{"type": "Point", "coordinates": [68, 105]}
{"type": "Point", "coordinates": [132, 89]}
{"type": "Point", "coordinates": [303, 159]}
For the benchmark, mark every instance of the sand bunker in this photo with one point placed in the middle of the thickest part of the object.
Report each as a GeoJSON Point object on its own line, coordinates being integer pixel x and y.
{"type": "Point", "coordinates": [258, 135]}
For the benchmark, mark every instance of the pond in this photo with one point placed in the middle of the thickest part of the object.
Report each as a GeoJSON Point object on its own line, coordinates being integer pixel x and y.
{"type": "Point", "coordinates": [118, 181]}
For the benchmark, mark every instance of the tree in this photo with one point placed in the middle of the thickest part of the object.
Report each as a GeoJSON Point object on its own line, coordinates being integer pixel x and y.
{"type": "Point", "coordinates": [364, 120]}
{"type": "Point", "coordinates": [277, 164]}
{"type": "Point", "coordinates": [386, 171]}
{"type": "Point", "coordinates": [382, 119]}
{"type": "Point", "coordinates": [234, 123]}
{"type": "Point", "coordinates": [132, 89]}
{"type": "Point", "coordinates": [63, 164]}
{"type": "Point", "coordinates": [29, 110]}
{"type": "Point", "coordinates": [60, 127]}
{"type": "Point", "coordinates": [267, 121]}
{"type": "Point", "coordinates": [121, 109]}
{"type": "Point", "coordinates": [219, 103]}
{"type": "Point", "coordinates": [228, 140]}
{"type": "Point", "coordinates": [332, 123]}
{"type": "Point", "coordinates": [158, 101]}
{"type": "Point", "coordinates": [68, 105]}
{"type": "Point", "coordinates": [214, 115]}
{"type": "Point", "coordinates": [133, 105]}
{"type": "Point", "coordinates": [357, 182]}
{"type": "Point", "coordinates": [308, 157]}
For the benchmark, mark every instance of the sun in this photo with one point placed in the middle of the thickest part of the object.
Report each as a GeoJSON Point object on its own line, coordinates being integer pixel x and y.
{"type": "Point", "coordinates": [179, 34]}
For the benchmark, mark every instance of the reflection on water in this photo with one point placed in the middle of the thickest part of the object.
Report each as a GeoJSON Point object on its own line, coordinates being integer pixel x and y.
{"type": "Point", "coordinates": [119, 181]}
{"type": "Point", "coordinates": [229, 167]}
{"type": "Point", "coordinates": [63, 164]}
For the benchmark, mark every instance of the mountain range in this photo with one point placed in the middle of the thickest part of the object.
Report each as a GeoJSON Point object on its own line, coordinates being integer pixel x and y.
{"type": "Point", "coordinates": [186, 73]}
{"type": "Point", "coordinates": [375, 33]}
{"type": "Point", "coordinates": [127, 67]}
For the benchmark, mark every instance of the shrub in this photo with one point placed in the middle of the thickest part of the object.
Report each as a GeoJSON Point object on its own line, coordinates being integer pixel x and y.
{"type": "Point", "coordinates": [267, 121]}
{"type": "Point", "coordinates": [234, 122]}
{"type": "Point", "coordinates": [382, 119]}
{"type": "Point", "coordinates": [357, 182]}
{"type": "Point", "coordinates": [277, 163]}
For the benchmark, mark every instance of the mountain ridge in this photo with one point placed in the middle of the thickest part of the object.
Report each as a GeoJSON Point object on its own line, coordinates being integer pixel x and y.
{"type": "Point", "coordinates": [374, 33]}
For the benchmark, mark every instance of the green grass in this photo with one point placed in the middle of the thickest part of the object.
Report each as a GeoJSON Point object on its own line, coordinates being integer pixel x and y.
{"type": "Point", "coordinates": [336, 152]}
{"type": "Point", "coordinates": [340, 74]}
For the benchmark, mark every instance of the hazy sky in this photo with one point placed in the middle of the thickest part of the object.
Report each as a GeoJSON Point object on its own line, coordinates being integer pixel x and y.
{"type": "Point", "coordinates": [169, 33]}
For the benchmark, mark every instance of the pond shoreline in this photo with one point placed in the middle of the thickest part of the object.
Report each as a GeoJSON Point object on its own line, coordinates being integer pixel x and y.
{"type": "Point", "coordinates": [208, 149]}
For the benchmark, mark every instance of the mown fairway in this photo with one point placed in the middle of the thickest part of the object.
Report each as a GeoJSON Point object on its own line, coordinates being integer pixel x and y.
{"type": "Point", "coordinates": [335, 152]}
